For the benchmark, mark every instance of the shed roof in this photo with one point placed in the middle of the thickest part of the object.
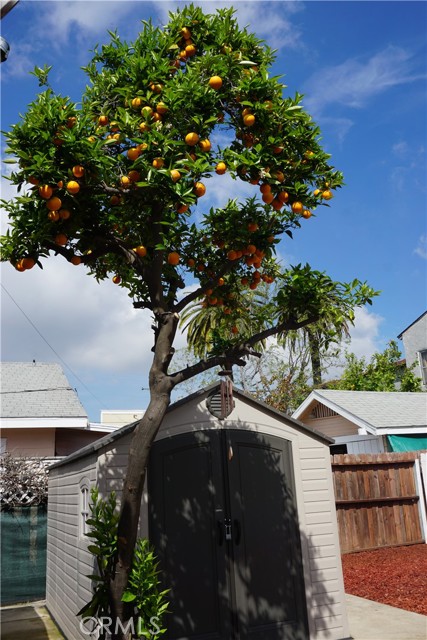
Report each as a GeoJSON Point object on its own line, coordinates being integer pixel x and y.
{"type": "Point", "coordinates": [112, 437]}
{"type": "Point", "coordinates": [37, 390]}
{"type": "Point", "coordinates": [374, 410]}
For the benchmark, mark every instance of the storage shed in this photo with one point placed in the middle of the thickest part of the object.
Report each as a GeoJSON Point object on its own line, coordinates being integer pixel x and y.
{"type": "Point", "coordinates": [240, 507]}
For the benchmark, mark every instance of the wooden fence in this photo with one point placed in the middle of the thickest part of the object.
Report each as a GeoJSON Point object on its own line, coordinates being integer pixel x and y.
{"type": "Point", "coordinates": [379, 500]}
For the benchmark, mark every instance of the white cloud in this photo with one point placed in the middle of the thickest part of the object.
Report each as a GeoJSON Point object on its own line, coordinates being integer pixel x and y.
{"type": "Point", "coordinates": [364, 336]}
{"type": "Point", "coordinates": [354, 82]}
{"type": "Point", "coordinates": [421, 249]}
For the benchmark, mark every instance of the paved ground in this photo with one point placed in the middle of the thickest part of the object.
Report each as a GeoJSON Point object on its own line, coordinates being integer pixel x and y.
{"type": "Point", "coordinates": [22, 622]}
{"type": "Point", "coordinates": [368, 621]}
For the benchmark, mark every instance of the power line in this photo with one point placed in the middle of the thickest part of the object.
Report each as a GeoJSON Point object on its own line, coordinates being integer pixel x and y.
{"type": "Point", "coordinates": [50, 346]}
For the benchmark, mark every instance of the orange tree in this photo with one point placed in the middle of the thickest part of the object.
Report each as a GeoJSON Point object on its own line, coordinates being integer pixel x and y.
{"type": "Point", "coordinates": [112, 184]}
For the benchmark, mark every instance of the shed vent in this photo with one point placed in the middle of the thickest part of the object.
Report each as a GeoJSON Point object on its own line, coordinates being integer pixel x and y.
{"type": "Point", "coordinates": [321, 411]}
{"type": "Point", "coordinates": [220, 403]}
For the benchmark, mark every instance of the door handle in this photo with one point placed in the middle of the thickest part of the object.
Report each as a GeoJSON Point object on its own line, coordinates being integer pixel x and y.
{"type": "Point", "coordinates": [238, 532]}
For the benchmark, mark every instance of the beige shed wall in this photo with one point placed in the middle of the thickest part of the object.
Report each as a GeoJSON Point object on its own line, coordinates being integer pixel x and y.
{"type": "Point", "coordinates": [68, 561]}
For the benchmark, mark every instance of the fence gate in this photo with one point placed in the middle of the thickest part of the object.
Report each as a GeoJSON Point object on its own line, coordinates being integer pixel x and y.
{"type": "Point", "coordinates": [377, 500]}
{"type": "Point", "coordinates": [223, 521]}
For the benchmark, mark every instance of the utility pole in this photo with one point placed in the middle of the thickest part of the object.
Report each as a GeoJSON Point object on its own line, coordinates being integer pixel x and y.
{"type": "Point", "coordinates": [6, 6]}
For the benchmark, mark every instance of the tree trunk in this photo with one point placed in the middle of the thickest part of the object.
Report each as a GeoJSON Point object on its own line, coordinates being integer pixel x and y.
{"type": "Point", "coordinates": [316, 364]}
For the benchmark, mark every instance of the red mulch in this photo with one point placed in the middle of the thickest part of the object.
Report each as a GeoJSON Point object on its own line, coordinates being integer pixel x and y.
{"type": "Point", "coordinates": [395, 575]}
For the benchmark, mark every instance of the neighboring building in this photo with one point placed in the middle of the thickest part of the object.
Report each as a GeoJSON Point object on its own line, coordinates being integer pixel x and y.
{"type": "Point", "coordinates": [240, 507]}
{"type": "Point", "coordinates": [367, 421]}
{"type": "Point", "coordinates": [414, 340]}
{"type": "Point", "coordinates": [41, 414]}
{"type": "Point", "coordinates": [120, 418]}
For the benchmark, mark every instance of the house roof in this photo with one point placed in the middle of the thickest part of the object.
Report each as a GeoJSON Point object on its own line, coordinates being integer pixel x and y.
{"type": "Point", "coordinates": [376, 411]}
{"type": "Point", "coordinates": [112, 437]}
{"type": "Point", "coordinates": [410, 325]}
{"type": "Point", "coordinates": [37, 390]}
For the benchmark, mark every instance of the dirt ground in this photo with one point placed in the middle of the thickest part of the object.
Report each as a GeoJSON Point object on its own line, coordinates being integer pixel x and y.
{"type": "Point", "coordinates": [395, 575]}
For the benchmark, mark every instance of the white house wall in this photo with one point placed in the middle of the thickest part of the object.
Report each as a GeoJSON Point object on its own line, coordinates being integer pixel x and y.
{"type": "Point", "coordinates": [331, 426]}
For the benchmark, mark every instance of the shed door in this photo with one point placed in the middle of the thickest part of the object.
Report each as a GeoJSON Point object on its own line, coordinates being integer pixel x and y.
{"type": "Point", "coordinates": [223, 521]}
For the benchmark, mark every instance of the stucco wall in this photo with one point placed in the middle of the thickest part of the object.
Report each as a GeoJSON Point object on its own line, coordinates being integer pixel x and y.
{"type": "Point", "coordinates": [414, 340]}
{"type": "Point", "coordinates": [30, 442]}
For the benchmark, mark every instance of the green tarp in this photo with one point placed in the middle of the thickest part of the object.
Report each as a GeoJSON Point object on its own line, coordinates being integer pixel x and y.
{"type": "Point", "coordinates": [23, 554]}
{"type": "Point", "coordinates": [407, 443]}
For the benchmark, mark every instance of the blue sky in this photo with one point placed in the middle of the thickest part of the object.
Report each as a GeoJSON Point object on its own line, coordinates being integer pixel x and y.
{"type": "Point", "coordinates": [362, 69]}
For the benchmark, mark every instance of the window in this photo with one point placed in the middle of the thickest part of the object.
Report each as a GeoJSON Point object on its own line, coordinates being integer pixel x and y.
{"type": "Point", "coordinates": [423, 365]}
{"type": "Point", "coordinates": [3, 445]}
{"type": "Point", "coordinates": [84, 507]}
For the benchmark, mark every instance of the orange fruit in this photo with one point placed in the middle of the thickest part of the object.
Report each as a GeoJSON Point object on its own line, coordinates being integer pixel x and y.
{"type": "Point", "coordinates": [201, 267]}
{"type": "Point", "coordinates": [252, 227]}
{"type": "Point", "coordinates": [277, 149]}
{"type": "Point", "coordinates": [277, 204]}
{"type": "Point", "coordinates": [175, 175]}
{"type": "Point", "coordinates": [144, 127]}
{"type": "Point", "coordinates": [103, 120]}
{"type": "Point", "coordinates": [78, 171]}
{"type": "Point", "coordinates": [64, 214]}
{"type": "Point", "coordinates": [60, 184]}
{"type": "Point", "coordinates": [61, 239]}
{"type": "Point", "coordinates": [158, 163]}
{"type": "Point", "coordinates": [234, 329]}
{"type": "Point", "coordinates": [182, 208]}
{"type": "Point", "coordinates": [251, 248]}
{"type": "Point", "coordinates": [71, 121]}
{"type": "Point", "coordinates": [283, 196]}
{"type": "Point", "coordinates": [279, 175]}
{"type": "Point", "coordinates": [173, 258]}
{"type": "Point", "coordinates": [186, 33]}
{"type": "Point", "coordinates": [162, 108]}
{"type": "Point", "coordinates": [146, 111]}
{"type": "Point", "coordinates": [116, 279]}
{"type": "Point", "coordinates": [76, 260]}
{"type": "Point", "coordinates": [91, 139]}
{"type": "Point", "coordinates": [19, 266]}
{"type": "Point", "coordinates": [125, 181]}
{"type": "Point", "coordinates": [327, 194]}
{"type": "Point", "coordinates": [143, 146]}
{"type": "Point", "coordinates": [53, 216]}
{"type": "Point", "coordinates": [157, 117]}
{"type": "Point", "coordinates": [215, 82]}
{"type": "Point", "coordinates": [190, 50]}
{"type": "Point", "coordinates": [28, 263]}
{"type": "Point", "coordinates": [191, 263]}
{"type": "Point", "coordinates": [268, 104]}
{"type": "Point", "coordinates": [268, 197]}
{"type": "Point", "coordinates": [115, 200]}
{"type": "Point", "coordinates": [220, 168]}
{"type": "Point", "coordinates": [136, 103]}
{"type": "Point", "coordinates": [249, 120]}
{"type": "Point", "coordinates": [114, 126]}
{"type": "Point", "coordinates": [306, 214]}
{"type": "Point", "coordinates": [205, 145]}
{"type": "Point", "coordinates": [192, 139]}
{"type": "Point", "coordinates": [199, 189]}
{"type": "Point", "coordinates": [297, 207]}
{"type": "Point", "coordinates": [33, 180]}
{"type": "Point", "coordinates": [45, 191]}
{"type": "Point", "coordinates": [316, 192]}
{"type": "Point", "coordinates": [73, 186]}
{"type": "Point", "coordinates": [221, 282]}
{"type": "Point", "coordinates": [133, 153]}
{"type": "Point", "coordinates": [53, 204]}
{"type": "Point", "coordinates": [232, 255]}
{"type": "Point", "coordinates": [265, 188]}
{"type": "Point", "coordinates": [141, 251]}
{"type": "Point", "coordinates": [156, 87]}
{"type": "Point", "coordinates": [134, 175]}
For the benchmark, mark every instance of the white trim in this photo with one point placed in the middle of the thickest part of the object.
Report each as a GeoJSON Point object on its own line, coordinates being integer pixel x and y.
{"type": "Point", "coordinates": [421, 502]}
{"type": "Point", "coordinates": [44, 423]}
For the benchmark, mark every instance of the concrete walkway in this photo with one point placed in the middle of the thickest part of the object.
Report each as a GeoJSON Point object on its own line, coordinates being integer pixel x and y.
{"type": "Point", "coordinates": [368, 620]}
{"type": "Point", "coordinates": [23, 621]}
